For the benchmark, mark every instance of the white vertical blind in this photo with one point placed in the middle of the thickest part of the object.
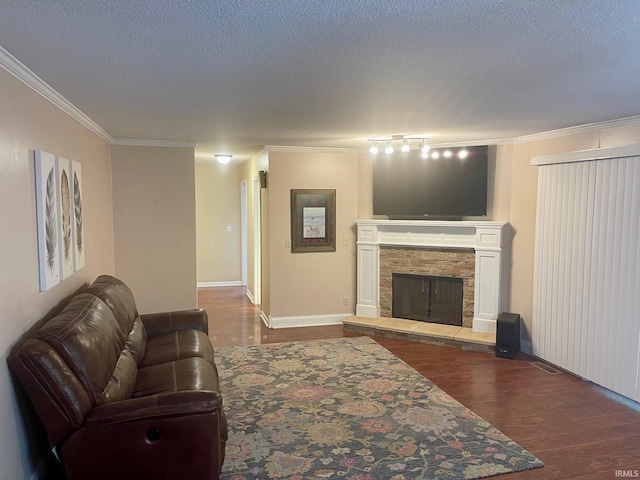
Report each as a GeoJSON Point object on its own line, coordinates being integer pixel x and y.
{"type": "Point", "coordinates": [586, 311]}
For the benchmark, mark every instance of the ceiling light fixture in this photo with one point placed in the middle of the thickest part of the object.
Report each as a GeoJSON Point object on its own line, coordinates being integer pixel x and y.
{"type": "Point", "coordinates": [447, 154]}
{"type": "Point", "coordinates": [223, 158]}
{"type": "Point", "coordinates": [435, 155]}
{"type": "Point", "coordinates": [405, 140]}
{"type": "Point", "coordinates": [462, 154]}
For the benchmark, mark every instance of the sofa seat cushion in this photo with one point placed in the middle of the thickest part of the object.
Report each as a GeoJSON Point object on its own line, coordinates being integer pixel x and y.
{"type": "Point", "coordinates": [177, 346]}
{"type": "Point", "coordinates": [181, 375]}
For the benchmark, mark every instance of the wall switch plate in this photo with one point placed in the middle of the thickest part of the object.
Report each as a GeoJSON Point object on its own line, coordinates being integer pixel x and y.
{"type": "Point", "coordinates": [287, 242]}
{"type": "Point", "coordinates": [345, 241]}
{"type": "Point", "coordinates": [345, 301]}
{"type": "Point", "coordinates": [229, 228]}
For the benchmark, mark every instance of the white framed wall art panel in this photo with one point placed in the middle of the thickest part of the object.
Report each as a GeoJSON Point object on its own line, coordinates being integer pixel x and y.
{"type": "Point", "coordinates": [65, 233]}
{"type": "Point", "coordinates": [77, 220]}
{"type": "Point", "coordinates": [47, 219]}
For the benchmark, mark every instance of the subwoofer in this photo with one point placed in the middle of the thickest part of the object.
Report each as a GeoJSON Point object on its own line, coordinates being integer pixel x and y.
{"type": "Point", "coordinates": [508, 335]}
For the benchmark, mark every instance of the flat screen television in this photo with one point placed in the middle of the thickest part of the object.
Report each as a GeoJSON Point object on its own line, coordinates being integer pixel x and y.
{"type": "Point", "coordinates": [407, 186]}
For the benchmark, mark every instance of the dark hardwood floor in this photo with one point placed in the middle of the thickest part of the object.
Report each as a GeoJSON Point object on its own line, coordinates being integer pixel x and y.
{"type": "Point", "coordinates": [579, 430]}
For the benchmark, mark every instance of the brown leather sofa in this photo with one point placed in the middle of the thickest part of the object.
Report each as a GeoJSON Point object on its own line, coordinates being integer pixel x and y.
{"type": "Point", "coordinates": [122, 395]}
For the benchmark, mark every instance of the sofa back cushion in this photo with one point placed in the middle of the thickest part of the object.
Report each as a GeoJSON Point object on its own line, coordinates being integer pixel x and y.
{"type": "Point", "coordinates": [92, 343]}
{"type": "Point", "coordinates": [118, 297]}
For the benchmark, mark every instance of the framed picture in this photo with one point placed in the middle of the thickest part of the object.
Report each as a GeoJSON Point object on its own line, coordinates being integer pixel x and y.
{"type": "Point", "coordinates": [313, 221]}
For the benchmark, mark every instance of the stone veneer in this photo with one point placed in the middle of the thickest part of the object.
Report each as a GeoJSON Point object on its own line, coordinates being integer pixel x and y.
{"type": "Point", "coordinates": [456, 263]}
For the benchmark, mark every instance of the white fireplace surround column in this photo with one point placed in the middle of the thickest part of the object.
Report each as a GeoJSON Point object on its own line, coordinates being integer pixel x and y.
{"type": "Point", "coordinates": [485, 237]}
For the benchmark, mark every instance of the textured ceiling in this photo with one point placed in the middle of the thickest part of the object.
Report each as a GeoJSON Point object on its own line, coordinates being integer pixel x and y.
{"type": "Point", "coordinates": [237, 75]}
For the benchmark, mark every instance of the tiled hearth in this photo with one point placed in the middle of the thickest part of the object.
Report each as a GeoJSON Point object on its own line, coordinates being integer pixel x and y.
{"type": "Point", "coordinates": [422, 332]}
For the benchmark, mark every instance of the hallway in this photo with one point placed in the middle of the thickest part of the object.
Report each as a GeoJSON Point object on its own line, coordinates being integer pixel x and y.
{"type": "Point", "coordinates": [234, 320]}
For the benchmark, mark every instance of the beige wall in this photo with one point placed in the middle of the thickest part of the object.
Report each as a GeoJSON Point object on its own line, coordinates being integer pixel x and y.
{"type": "Point", "coordinates": [218, 207]}
{"type": "Point", "coordinates": [155, 225]}
{"type": "Point", "coordinates": [308, 284]}
{"type": "Point", "coordinates": [28, 122]}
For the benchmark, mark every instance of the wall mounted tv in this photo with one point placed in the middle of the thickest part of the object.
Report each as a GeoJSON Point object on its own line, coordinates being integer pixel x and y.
{"type": "Point", "coordinates": [407, 186]}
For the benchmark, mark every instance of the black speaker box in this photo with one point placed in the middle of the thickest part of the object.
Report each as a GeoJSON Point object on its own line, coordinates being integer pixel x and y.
{"type": "Point", "coordinates": [508, 335]}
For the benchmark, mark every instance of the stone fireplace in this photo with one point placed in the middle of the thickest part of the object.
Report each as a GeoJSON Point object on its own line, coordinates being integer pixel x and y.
{"type": "Point", "coordinates": [457, 264]}
{"type": "Point", "coordinates": [472, 251]}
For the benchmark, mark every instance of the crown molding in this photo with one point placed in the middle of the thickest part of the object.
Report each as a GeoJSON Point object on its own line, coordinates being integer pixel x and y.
{"type": "Point", "coordinates": [22, 73]}
{"type": "Point", "coordinates": [140, 142]}
{"type": "Point", "coordinates": [586, 128]}
{"type": "Point", "coordinates": [280, 148]}
{"type": "Point", "coordinates": [16, 68]}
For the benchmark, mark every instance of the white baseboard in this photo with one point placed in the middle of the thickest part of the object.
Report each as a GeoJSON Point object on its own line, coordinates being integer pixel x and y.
{"type": "Point", "coordinates": [307, 320]}
{"type": "Point", "coordinates": [264, 318]}
{"type": "Point", "coordinates": [251, 297]}
{"type": "Point", "coordinates": [231, 283]}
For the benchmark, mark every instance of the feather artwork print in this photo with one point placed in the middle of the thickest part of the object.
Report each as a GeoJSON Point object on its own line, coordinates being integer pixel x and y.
{"type": "Point", "coordinates": [65, 203]}
{"type": "Point", "coordinates": [48, 220]}
{"type": "Point", "coordinates": [51, 237]}
{"type": "Point", "coordinates": [77, 205]}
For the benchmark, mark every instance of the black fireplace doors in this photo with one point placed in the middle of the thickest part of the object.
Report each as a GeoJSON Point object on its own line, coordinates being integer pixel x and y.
{"type": "Point", "coordinates": [426, 298]}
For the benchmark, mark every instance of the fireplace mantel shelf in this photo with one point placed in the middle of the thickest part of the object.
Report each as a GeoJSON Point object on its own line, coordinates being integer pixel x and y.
{"type": "Point", "coordinates": [486, 238]}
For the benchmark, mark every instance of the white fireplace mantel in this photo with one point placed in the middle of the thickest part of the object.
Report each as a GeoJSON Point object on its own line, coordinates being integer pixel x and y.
{"type": "Point", "coordinates": [486, 238]}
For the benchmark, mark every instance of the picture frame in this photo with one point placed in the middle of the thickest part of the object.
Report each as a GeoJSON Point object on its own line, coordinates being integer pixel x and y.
{"type": "Point", "coordinates": [313, 220]}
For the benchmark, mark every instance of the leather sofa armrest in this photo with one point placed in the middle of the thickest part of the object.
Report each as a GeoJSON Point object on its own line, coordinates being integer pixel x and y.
{"type": "Point", "coordinates": [164, 437]}
{"type": "Point", "coordinates": [155, 407]}
{"type": "Point", "coordinates": [167, 322]}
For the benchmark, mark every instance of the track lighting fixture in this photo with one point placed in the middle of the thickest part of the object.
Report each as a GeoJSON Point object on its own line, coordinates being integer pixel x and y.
{"type": "Point", "coordinates": [415, 142]}
{"type": "Point", "coordinates": [405, 140]}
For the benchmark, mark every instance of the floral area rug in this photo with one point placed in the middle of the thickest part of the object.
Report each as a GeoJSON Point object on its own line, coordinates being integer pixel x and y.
{"type": "Point", "coordinates": [349, 409]}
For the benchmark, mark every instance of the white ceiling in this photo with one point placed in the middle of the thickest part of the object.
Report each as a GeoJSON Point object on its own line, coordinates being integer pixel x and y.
{"type": "Point", "coordinates": [237, 75]}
